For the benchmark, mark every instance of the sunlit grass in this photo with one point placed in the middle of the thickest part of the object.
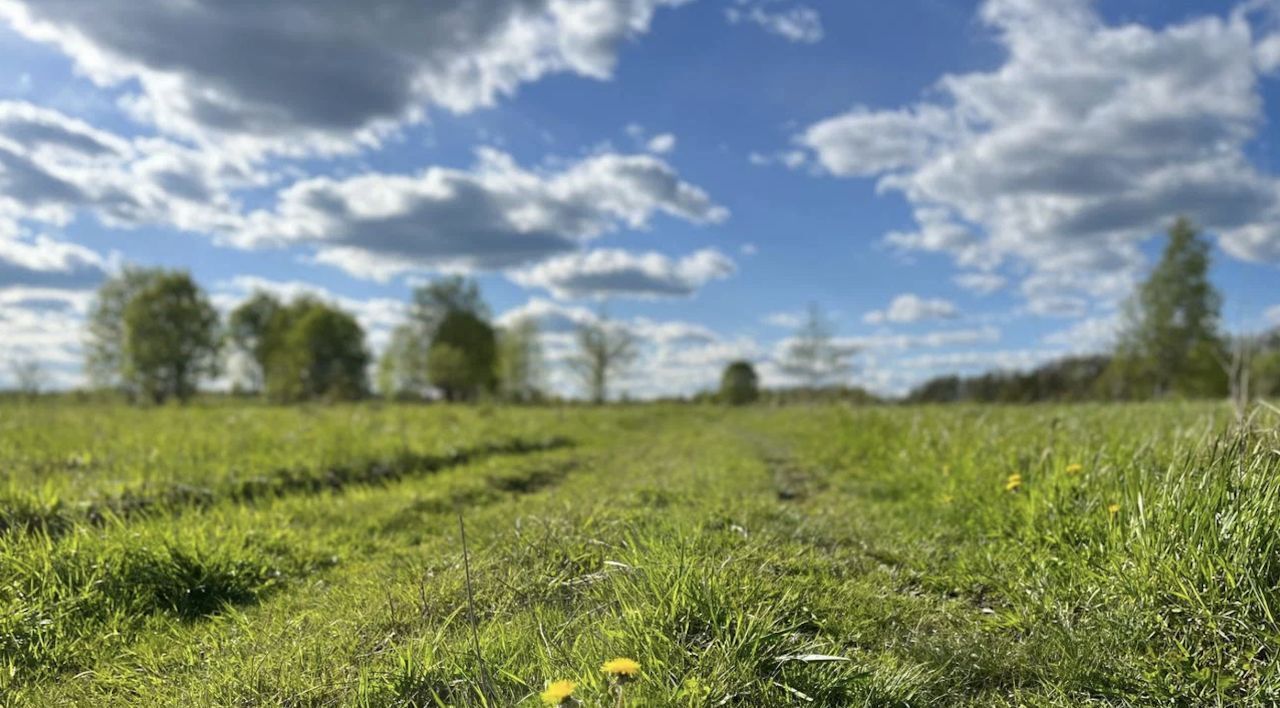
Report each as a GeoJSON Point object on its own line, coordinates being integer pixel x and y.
{"type": "Point", "coordinates": [800, 556]}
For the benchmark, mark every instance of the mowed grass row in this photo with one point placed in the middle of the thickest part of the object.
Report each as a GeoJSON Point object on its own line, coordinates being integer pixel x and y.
{"type": "Point", "coordinates": [1131, 561]}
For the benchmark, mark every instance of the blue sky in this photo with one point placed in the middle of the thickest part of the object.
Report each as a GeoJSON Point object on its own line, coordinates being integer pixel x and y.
{"type": "Point", "coordinates": [961, 186]}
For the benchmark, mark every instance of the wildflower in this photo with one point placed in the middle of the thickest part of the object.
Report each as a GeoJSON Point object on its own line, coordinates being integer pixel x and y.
{"type": "Point", "coordinates": [948, 498]}
{"type": "Point", "coordinates": [622, 669]}
{"type": "Point", "coordinates": [559, 693]}
{"type": "Point", "coordinates": [1013, 483]}
{"type": "Point", "coordinates": [1113, 509]}
{"type": "Point", "coordinates": [1074, 468]}
{"type": "Point", "coordinates": [946, 470]}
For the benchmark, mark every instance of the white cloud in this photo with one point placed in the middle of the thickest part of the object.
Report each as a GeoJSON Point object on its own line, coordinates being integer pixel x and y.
{"type": "Point", "coordinates": [324, 75]}
{"type": "Point", "coordinates": [47, 263]}
{"type": "Point", "coordinates": [497, 215]}
{"type": "Point", "coordinates": [661, 144]}
{"type": "Point", "coordinates": [981, 283]}
{"type": "Point", "coordinates": [1087, 336]}
{"type": "Point", "coordinates": [798, 23]}
{"type": "Point", "coordinates": [1272, 315]}
{"type": "Point", "coordinates": [1086, 141]}
{"type": "Point", "coordinates": [786, 320]}
{"type": "Point", "coordinates": [1267, 54]}
{"type": "Point", "coordinates": [909, 307]}
{"type": "Point", "coordinates": [926, 340]}
{"type": "Point", "coordinates": [613, 272]}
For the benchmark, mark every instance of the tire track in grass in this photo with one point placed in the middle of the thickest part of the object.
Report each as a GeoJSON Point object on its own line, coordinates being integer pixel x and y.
{"type": "Point", "coordinates": [26, 513]}
{"type": "Point", "coordinates": [59, 599]}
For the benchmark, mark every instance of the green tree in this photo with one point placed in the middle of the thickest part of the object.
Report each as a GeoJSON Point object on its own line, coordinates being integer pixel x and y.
{"type": "Point", "coordinates": [812, 356]}
{"type": "Point", "coordinates": [435, 300]}
{"type": "Point", "coordinates": [250, 329]}
{"type": "Point", "coordinates": [105, 360]}
{"type": "Point", "coordinates": [471, 347]}
{"type": "Point", "coordinates": [171, 338]}
{"type": "Point", "coordinates": [1170, 342]}
{"type": "Point", "coordinates": [402, 368]}
{"type": "Point", "coordinates": [604, 349]}
{"type": "Point", "coordinates": [321, 354]}
{"type": "Point", "coordinates": [520, 360]}
{"type": "Point", "coordinates": [739, 384]}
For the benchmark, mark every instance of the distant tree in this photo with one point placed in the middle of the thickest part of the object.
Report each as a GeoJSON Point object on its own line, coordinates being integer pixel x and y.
{"type": "Point", "coordinates": [321, 354]}
{"type": "Point", "coordinates": [435, 300]}
{"type": "Point", "coordinates": [1170, 341]}
{"type": "Point", "coordinates": [28, 376]}
{"type": "Point", "coordinates": [604, 349]}
{"type": "Point", "coordinates": [250, 330]}
{"type": "Point", "coordinates": [470, 346]}
{"type": "Point", "coordinates": [812, 356]}
{"type": "Point", "coordinates": [402, 369]}
{"type": "Point", "coordinates": [105, 361]}
{"type": "Point", "coordinates": [520, 360]}
{"type": "Point", "coordinates": [171, 337]}
{"type": "Point", "coordinates": [739, 384]}
{"type": "Point", "coordinates": [449, 370]}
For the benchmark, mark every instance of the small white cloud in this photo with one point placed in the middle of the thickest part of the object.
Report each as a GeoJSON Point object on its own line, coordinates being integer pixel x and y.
{"type": "Point", "coordinates": [1272, 315]}
{"type": "Point", "coordinates": [785, 320]}
{"type": "Point", "coordinates": [908, 308]}
{"type": "Point", "coordinates": [661, 144]}
{"type": "Point", "coordinates": [748, 249]}
{"type": "Point", "coordinates": [799, 23]}
{"type": "Point", "coordinates": [1267, 54]}
{"type": "Point", "coordinates": [981, 283]}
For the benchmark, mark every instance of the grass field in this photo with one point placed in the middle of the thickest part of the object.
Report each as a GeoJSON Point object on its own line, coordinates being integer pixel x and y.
{"type": "Point", "coordinates": [241, 555]}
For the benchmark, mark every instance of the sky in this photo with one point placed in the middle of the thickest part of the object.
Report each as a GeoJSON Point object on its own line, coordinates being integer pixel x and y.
{"type": "Point", "coordinates": [959, 186]}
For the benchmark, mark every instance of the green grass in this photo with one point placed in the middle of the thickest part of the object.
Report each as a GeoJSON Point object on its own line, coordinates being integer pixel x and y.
{"type": "Point", "coordinates": [246, 555]}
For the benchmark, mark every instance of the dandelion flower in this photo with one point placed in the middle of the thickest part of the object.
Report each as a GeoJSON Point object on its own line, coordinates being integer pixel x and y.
{"type": "Point", "coordinates": [1074, 468]}
{"type": "Point", "coordinates": [621, 668]}
{"type": "Point", "coordinates": [559, 693]}
{"type": "Point", "coordinates": [1113, 509]}
{"type": "Point", "coordinates": [1012, 484]}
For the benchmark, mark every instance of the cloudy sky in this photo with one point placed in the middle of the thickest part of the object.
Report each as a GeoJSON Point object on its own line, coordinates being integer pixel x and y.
{"type": "Point", "coordinates": [960, 185]}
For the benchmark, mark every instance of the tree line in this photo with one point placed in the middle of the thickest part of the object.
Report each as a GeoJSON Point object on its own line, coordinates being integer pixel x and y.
{"type": "Point", "coordinates": [1170, 343]}
{"type": "Point", "coordinates": [154, 335]}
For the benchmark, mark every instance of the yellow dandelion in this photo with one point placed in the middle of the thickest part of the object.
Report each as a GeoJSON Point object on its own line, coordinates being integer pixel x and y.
{"type": "Point", "coordinates": [558, 693]}
{"type": "Point", "coordinates": [947, 498]}
{"type": "Point", "coordinates": [1074, 468]}
{"type": "Point", "coordinates": [1012, 484]}
{"type": "Point", "coordinates": [946, 470]}
{"type": "Point", "coordinates": [1113, 509]}
{"type": "Point", "coordinates": [621, 667]}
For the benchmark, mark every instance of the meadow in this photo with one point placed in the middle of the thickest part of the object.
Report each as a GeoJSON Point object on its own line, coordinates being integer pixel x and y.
{"type": "Point", "coordinates": [236, 554]}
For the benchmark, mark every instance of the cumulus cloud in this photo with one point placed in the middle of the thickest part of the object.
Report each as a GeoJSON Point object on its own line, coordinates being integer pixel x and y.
{"type": "Point", "coordinates": [54, 167]}
{"type": "Point", "coordinates": [613, 272]}
{"type": "Point", "coordinates": [497, 215]}
{"type": "Point", "coordinates": [1086, 141]}
{"type": "Point", "coordinates": [661, 144]}
{"type": "Point", "coordinates": [324, 75]}
{"type": "Point", "coordinates": [43, 262]}
{"type": "Point", "coordinates": [798, 23]}
{"type": "Point", "coordinates": [785, 320]}
{"type": "Point", "coordinates": [926, 340]}
{"type": "Point", "coordinates": [909, 307]}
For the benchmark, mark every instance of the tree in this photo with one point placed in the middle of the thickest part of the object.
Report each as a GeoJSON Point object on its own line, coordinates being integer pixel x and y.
{"type": "Point", "coordinates": [171, 338]}
{"type": "Point", "coordinates": [435, 300]}
{"type": "Point", "coordinates": [519, 360]}
{"type": "Point", "coordinates": [470, 346]}
{"type": "Point", "coordinates": [249, 328]}
{"type": "Point", "coordinates": [321, 353]}
{"type": "Point", "coordinates": [28, 376]}
{"type": "Point", "coordinates": [739, 384]}
{"type": "Point", "coordinates": [812, 356]}
{"type": "Point", "coordinates": [402, 369]}
{"type": "Point", "coordinates": [105, 361]}
{"type": "Point", "coordinates": [603, 350]}
{"type": "Point", "coordinates": [1170, 342]}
